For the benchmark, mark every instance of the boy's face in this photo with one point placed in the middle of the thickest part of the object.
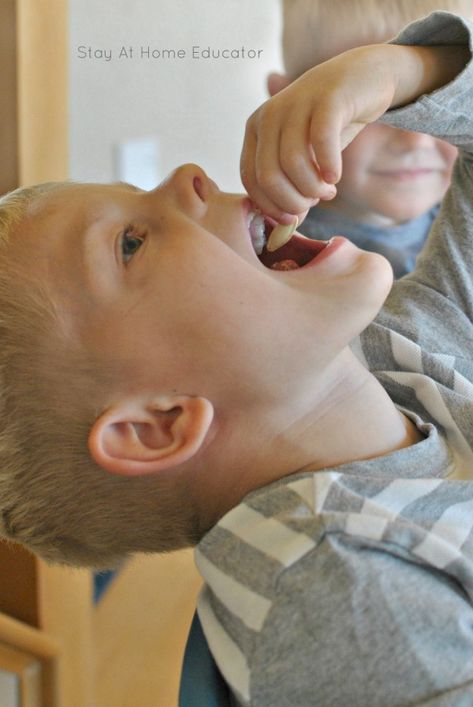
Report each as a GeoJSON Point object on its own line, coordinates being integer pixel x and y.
{"type": "Point", "coordinates": [168, 281]}
{"type": "Point", "coordinates": [391, 176]}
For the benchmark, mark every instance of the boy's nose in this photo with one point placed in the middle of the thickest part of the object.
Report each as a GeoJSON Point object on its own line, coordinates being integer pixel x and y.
{"type": "Point", "coordinates": [407, 140]}
{"type": "Point", "coordinates": [189, 185]}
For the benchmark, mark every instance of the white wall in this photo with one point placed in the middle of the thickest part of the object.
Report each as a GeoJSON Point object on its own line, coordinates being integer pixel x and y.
{"type": "Point", "coordinates": [196, 108]}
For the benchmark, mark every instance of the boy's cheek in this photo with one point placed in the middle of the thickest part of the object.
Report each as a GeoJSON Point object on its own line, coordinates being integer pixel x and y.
{"type": "Point", "coordinates": [357, 161]}
{"type": "Point", "coordinates": [448, 152]}
{"type": "Point", "coordinates": [364, 151]}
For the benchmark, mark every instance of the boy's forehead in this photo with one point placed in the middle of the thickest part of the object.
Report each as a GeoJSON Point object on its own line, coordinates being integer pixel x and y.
{"type": "Point", "coordinates": [73, 207]}
{"type": "Point", "coordinates": [312, 35]}
{"type": "Point", "coordinates": [65, 210]}
{"type": "Point", "coordinates": [70, 196]}
{"type": "Point", "coordinates": [300, 56]}
{"type": "Point", "coordinates": [56, 240]}
{"type": "Point", "coordinates": [56, 221]}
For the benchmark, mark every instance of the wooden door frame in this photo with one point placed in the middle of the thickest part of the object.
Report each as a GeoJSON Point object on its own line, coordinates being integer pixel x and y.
{"type": "Point", "coordinates": [44, 609]}
{"type": "Point", "coordinates": [42, 90]}
{"type": "Point", "coordinates": [8, 97]}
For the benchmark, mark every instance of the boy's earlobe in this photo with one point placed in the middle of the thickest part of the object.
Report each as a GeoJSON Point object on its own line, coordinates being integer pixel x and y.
{"type": "Point", "coordinates": [135, 438]}
{"type": "Point", "coordinates": [276, 82]}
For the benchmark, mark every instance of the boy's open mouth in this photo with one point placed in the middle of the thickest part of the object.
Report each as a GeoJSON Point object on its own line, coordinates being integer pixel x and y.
{"type": "Point", "coordinates": [294, 254]}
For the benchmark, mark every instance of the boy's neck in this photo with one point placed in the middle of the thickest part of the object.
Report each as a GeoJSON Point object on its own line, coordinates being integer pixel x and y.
{"type": "Point", "coordinates": [352, 418]}
{"type": "Point", "coordinates": [363, 424]}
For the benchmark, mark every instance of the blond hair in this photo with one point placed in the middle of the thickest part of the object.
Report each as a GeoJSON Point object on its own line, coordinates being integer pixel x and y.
{"type": "Point", "coordinates": [53, 498]}
{"type": "Point", "coordinates": [316, 30]}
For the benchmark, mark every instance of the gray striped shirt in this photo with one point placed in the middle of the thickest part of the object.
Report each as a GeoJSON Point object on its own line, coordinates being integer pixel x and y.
{"type": "Point", "coordinates": [353, 586]}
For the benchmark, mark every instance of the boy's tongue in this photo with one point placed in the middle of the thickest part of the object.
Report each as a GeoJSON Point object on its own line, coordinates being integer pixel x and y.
{"type": "Point", "coordinates": [285, 265]}
{"type": "Point", "coordinates": [298, 251]}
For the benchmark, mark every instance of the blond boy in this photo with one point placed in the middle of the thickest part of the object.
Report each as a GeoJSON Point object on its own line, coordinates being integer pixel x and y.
{"type": "Point", "coordinates": [393, 180]}
{"type": "Point", "coordinates": [162, 384]}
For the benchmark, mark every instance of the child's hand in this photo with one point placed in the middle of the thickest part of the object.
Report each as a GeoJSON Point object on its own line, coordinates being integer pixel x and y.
{"type": "Point", "coordinates": [291, 155]}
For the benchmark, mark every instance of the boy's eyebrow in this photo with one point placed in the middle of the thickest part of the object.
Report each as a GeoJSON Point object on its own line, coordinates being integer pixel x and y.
{"type": "Point", "coordinates": [95, 252]}
{"type": "Point", "coordinates": [95, 255]}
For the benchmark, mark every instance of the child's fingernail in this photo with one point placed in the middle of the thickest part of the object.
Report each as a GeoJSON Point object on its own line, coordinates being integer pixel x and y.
{"type": "Point", "coordinates": [329, 177]}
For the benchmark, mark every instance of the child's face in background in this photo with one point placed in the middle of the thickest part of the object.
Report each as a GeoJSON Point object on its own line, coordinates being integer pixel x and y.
{"type": "Point", "coordinates": [169, 282]}
{"type": "Point", "coordinates": [389, 176]}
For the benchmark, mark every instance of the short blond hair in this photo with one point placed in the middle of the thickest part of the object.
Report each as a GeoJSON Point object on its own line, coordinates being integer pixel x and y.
{"type": "Point", "coordinates": [53, 498]}
{"type": "Point", "coordinates": [316, 30]}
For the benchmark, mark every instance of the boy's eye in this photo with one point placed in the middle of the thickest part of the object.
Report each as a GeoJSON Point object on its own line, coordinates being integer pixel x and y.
{"type": "Point", "coordinates": [131, 240]}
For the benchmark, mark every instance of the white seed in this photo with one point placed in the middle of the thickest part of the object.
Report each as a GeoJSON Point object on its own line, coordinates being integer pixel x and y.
{"type": "Point", "coordinates": [280, 235]}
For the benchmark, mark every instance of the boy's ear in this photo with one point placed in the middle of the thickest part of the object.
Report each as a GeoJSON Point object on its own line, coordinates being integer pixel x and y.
{"type": "Point", "coordinates": [276, 83]}
{"type": "Point", "coordinates": [135, 438]}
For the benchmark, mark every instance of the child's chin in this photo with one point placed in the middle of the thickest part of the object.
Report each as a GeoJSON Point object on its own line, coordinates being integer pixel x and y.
{"type": "Point", "coordinates": [377, 277]}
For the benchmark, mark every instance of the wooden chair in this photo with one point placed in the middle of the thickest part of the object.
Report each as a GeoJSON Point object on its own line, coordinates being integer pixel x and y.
{"type": "Point", "coordinates": [202, 684]}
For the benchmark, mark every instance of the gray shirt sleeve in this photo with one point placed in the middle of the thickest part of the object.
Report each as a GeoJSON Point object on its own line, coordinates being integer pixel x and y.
{"type": "Point", "coordinates": [361, 626]}
{"type": "Point", "coordinates": [434, 304]}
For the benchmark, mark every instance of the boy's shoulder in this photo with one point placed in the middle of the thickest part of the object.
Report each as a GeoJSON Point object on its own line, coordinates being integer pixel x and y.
{"type": "Point", "coordinates": [275, 529]}
{"type": "Point", "coordinates": [286, 519]}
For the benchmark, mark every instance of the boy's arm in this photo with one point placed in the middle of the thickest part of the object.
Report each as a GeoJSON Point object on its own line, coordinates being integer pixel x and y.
{"type": "Point", "coordinates": [292, 151]}
{"type": "Point", "coordinates": [361, 626]}
{"type": "Point", "coordinates": [437, 297]}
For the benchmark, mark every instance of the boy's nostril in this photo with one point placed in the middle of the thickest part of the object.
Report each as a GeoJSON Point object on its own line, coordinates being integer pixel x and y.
{"type": "Point", "coordinates": [198, 188]}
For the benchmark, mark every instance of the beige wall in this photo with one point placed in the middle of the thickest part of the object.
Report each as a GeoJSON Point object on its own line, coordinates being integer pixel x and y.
{"type": "Point", "coordinates": [196, 108]}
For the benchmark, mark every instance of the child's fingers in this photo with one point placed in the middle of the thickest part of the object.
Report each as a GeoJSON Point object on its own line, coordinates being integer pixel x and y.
{"type": "Point", "coordinates": [248, 175]}
{"type": "Point", "coordinates": [263, 177]}
{"type": "Point", "coordinates": [249, 180]}
{"type": "Point", "coordinates": [277, 165]}
{"type": "Point", "coordinates": [297, 160]}
{"type": "Point", "coordinates": [270, 207]}
{"type": "Point", "coordinates": [325, 139]}
{"type": "Point", "coordinates": [271, 176]}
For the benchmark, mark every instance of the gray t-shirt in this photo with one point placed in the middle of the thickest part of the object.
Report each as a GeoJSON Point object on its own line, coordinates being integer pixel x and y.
{"type": "Point", "coordinates": [353, 586]}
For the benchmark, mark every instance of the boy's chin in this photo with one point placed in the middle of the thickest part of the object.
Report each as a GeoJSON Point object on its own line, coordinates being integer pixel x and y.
{"type": "Point", "coordinates": [407, 205]}
{"type": "Point", "coordinates": [380, 277]}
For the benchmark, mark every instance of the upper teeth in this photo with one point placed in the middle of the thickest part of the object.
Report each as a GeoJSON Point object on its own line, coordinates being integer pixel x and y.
{"type": "Point", "coordinates": [280, 235]}
{"type": "Point", "coordinates": [256, 228]}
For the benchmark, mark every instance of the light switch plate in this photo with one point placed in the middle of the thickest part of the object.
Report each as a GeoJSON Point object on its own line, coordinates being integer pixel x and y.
{"type": "Point", "coordinates": [137, 162]}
